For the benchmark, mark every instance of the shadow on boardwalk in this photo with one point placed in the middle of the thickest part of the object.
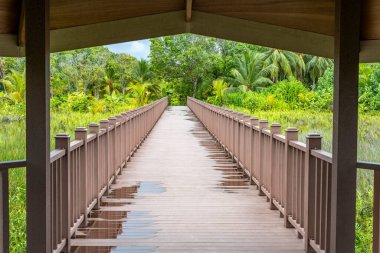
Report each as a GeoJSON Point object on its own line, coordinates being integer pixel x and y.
{"type": "Point", "coordinates": [181, 193]}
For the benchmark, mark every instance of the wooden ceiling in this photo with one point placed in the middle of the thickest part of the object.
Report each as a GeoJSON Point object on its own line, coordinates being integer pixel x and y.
{"type": "Point", "coordinates": [314, 17]}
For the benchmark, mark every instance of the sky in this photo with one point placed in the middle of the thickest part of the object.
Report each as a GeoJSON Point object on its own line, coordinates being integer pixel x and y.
{"type": "Point", "coordinates": [139, 48]}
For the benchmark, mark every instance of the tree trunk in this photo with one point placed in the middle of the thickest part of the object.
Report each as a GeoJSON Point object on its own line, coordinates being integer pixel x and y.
{"type": "Point", "coordinates": [195, 87]}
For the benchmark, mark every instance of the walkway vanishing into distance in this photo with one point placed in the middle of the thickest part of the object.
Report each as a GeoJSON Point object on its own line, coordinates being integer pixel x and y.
{"type": "Point", "coordinates": [181, 193]}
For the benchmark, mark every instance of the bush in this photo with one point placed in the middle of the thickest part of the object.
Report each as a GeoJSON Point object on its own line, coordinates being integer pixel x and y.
{"type": "Point", "coordinates": [58, 102]}
{"type": "Point", "coordinates": [289, 91]}
{"type": "Point", "coordinates": [78, 102]}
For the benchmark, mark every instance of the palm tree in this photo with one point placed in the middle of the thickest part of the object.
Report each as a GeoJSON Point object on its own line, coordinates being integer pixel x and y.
{"type": "Point", "coordinates": [284, 64]}
{"type": "Point", "coordinates": [110, 80]}
{"type": "Point", "coordinates": [142, 92]}
{"type": "Point", "coordinates": [142, 72]}
{"type": "Point", "coordinates": [316, 66]}
{"type": "Point", "coordinates": [219, 86]}
{"type": "Point", "coordinates": [250, 71]}
{"type": "Point", "coordinates": [15, 86]}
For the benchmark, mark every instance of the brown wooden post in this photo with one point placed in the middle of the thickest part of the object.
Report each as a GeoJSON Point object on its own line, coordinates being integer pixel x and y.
{"type": "Point", "coordinates": [94, 129]}
{"type": "Point", "coordinates": [275, 128]}
{"type": "Point", "coordinates": [263, 124]}
{"type": "Point", "coordinates": [4, 211]}
{"type": "Point", "coordinates": [254, 122]}
{"type": "Point", "coordinates": [38, 185]}
{"type": "Point", "coordinates": [112, 122]}
{"type": "Point", "coordinates": [124, 140]}
{"type": "Point", "coordinates": [376, 213]}
{"type": "Point", "coordinates": [313, 141]}
{"type": "Point", "coordinates": [345, 122]}
{"type": "Point", "coordinates": [62, 141]}
{"type": "Point", "coordinates": [291, 134]}
{"type": "Point", "coordinates": [104, 125]}
{"type": "Point", "coordinates": [81, 134]}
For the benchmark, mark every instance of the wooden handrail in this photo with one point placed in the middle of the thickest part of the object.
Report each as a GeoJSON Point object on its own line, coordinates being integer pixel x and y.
{"type": "Point", "coordinates": [295, 177]}
{"type": "Point", "coordinates": [84, 169]}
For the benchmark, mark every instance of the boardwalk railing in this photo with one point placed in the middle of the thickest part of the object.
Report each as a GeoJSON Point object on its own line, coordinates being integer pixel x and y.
{"type": "Point", "coordinates": [294, 176]}
{"type": "Point", "coordinates": [82, 170]}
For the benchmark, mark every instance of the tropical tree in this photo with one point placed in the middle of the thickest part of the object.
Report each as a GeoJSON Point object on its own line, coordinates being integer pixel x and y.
{"type": "Point", "coordinates": [111, 78]}
{"type": "Point", "coordinates": [187, 60]}
{"type": "Point", "coordinates": [15, 86]}
{"type": "Point", "coordinates": [142, 71]}
{"type": "Point", "coordinates": [143, 92]}
{"type": "Point", "coordinates": [315, 67]}
{"type": "Point", "coordinates": [124, 67]}
{"type": "Point", "coordinates": [251, 72]}
{"type": "Point", "coordinates": [219, 86]}
{"type": "Point", "coordinates": [284, 64]}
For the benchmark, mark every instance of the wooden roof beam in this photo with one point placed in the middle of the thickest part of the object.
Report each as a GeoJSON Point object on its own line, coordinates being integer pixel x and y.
{"type": "Point", "coordinates": [189, 8]}
{"type": "Point", "coordinates": [21, 27]}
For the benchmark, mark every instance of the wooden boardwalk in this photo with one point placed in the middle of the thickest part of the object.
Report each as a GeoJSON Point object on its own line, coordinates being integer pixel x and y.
{"type": "Point", "coordinates": [181, 193]}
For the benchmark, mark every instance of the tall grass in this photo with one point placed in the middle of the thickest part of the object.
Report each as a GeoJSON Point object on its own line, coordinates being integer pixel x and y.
{"type": "Point", "coordinates": [12, 147]}
{"type": "Point", "coordinates": [368, 150]}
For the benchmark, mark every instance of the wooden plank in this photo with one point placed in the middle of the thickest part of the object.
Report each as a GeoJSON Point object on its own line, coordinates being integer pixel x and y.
{"type": "Point", "coordinates": [181, 193]}
{"type": "Point", "coordinates": [9, 16]}
{"type": "Point", "coordinates": [118, 31]}
{"type": "Point", "coordinates": [261, 34]}
{"type": "Point", "coordinates": [38, 185]}
{"type": "Point", "coordinates": [345, 126]}
{"type": "Point", "coordinates": [305, 15]}
{"type": "Point", "coordinates": [71, 13]}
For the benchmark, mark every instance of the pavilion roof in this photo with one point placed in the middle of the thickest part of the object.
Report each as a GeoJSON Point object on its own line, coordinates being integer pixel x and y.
{"type": "Point", "coordinates": [305, 26]}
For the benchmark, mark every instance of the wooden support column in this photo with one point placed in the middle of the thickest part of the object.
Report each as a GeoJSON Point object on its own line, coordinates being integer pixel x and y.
{"type": "Point", "coordinates": [38, 126]}
{"type": "Point", "coordinates": [347, 43]}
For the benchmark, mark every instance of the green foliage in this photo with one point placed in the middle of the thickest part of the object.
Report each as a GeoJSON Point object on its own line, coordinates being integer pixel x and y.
{"type": "Point", "coordinates": [290, 91]}
{"type": "Point", "coordinates": [250, 70]}
{"type": "Point", "coordinates": [94, 83]}
{"type": "Point", "coordinates": [78, 102]}
{"type": "Point", "coordinates": [219, 86]}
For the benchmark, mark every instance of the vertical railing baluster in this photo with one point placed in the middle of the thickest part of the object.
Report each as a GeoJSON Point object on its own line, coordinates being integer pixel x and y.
{"type": "Point", "coordinates": [94, 129]}
{"type": "Point", "coordinates": [313, 141]}
{"type": "Point", "coordinates": [62, 141]}
{"type": "Point", "coordinates": [275, 128]}
{"type": "Point", "coordinates": [104, 124]}
{"type": "Point", "coordinates": [84, 184]}
{"type": "Point", "coordinates": [263, 124]}
{"type": "Point", "coordinates": [291, 134]}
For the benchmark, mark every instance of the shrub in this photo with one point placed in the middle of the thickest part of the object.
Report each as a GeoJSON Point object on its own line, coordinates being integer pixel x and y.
{"type": "Point", "coordinates": [78, 102]}
{"type": "Point", "coordinates": [289, 91]}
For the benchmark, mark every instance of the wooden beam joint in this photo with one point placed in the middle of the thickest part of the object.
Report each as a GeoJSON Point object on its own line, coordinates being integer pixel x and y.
{"type": "Point", "coordinates": [189, 8]}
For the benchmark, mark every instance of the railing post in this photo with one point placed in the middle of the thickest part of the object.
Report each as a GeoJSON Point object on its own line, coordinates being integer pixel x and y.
{"type": "Point", "coordinates": [254, 122]}
{"type": "Point", "coordinates": [124, 139]}
{"type": "Point", "coordinates": [94, 129]}
{"type": "Point", "coordinates": [104, 125]}
{"type": "Point", "coordinates": [263, 124]}
{"type": "Point", "coordinates": [81, 134]}
{"type": "Point", "coordinates": [291, 134]}
{"type": "Point", "coordinates": [313, 141]}
{"type": "Point", "coordinates": [4, 211]}
{"type": "Point", "coordinates": [376, 213]}
{"type": "Point", "coordinates": [275, 128]}
{"type": "Point", "coordinates": [62, 141]}
{"type": "Point", "coordinates": [112, 122]}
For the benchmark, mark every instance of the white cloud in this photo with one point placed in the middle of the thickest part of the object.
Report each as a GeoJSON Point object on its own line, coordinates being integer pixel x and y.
{"type": "Point", "coordinates": [139, 49]}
